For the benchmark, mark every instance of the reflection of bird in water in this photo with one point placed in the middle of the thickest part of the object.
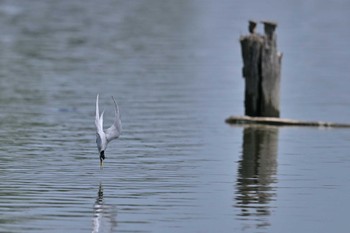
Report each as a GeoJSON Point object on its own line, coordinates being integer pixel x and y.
{"type": "Point", "coordinates": [103, 214]}
{"type": "Point", "coordinates": [103, 137]}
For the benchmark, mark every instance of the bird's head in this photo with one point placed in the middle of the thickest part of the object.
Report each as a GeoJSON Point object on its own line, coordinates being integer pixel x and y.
{"type": "Point", "coordinates": [102, 155]}
{"type": "Point", "coordinates": [101, 145]}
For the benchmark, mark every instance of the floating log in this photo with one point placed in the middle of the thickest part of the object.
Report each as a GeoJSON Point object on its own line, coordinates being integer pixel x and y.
{"type": "Point", "coordinates": [262, 71]}
{"type": "Point", "coordinates": [243, 120]}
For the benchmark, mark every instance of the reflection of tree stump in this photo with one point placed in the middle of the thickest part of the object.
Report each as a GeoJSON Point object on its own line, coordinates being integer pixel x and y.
{"type": "Point", "coordinates": [257, 171]}
{"type": "Point", "coordinates": [261, 70]}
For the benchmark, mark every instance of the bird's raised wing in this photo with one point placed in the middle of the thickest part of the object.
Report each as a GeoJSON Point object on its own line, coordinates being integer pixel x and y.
{"type": "Point", "coordinates": [114, 131]}
{"type": "Point", "coordinates": [98, 118]}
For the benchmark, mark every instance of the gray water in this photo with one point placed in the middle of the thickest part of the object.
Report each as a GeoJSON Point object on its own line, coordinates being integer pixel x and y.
{"type": "Point", "coordinates": [175, 69]}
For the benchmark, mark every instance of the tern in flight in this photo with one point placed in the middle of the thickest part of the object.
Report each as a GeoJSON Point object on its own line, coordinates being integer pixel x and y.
{"type": "Point", "coordinates": [103, 137]}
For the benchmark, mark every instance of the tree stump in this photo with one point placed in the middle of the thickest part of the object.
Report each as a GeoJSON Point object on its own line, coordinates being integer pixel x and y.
{"type": "Point", "coordinates": [262, 71]}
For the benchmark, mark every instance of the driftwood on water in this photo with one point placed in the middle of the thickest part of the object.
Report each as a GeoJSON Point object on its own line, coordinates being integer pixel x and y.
{"type": "Point", "coordinates": [244, 120]}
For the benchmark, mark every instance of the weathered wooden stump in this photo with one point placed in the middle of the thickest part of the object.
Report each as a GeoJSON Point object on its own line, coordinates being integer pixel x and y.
{"type": "Point", "coordinates": [262, 71]}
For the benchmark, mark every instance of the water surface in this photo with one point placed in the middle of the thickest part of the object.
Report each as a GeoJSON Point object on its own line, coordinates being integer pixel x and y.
{"type": "Point", "coordinates": [175, 69]}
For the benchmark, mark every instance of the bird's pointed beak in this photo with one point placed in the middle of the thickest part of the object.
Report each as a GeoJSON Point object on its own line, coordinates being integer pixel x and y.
{"type": "Point", "coordinates": [101, 164]}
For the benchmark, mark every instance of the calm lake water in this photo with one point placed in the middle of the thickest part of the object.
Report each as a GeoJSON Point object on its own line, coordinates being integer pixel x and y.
{"type": "Point", "coordinates": [175, 69]}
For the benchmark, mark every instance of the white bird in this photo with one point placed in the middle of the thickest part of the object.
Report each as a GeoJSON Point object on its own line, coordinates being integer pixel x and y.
{"type": "Point", "coordinates": [113, 132]}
